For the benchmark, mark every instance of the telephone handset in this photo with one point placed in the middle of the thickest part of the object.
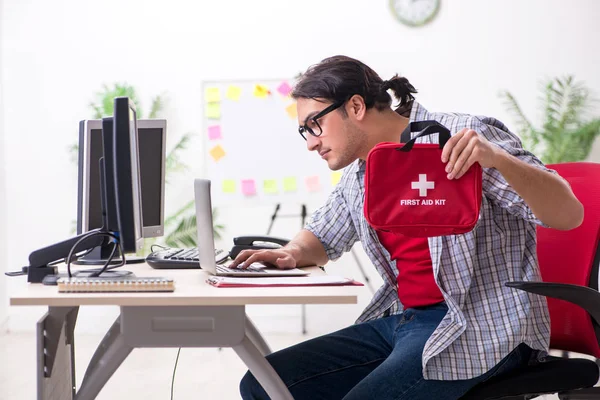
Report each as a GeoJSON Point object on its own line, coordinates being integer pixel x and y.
{"type": "Point", "coordinates": [256, 243]}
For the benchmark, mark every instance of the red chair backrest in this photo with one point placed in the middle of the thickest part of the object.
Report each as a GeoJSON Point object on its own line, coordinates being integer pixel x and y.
{"type": "Point", "coordinates": [572, 257]}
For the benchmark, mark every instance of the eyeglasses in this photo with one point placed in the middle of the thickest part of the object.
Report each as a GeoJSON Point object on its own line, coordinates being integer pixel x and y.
{"type": "Point", "coordinates": [312, 125]}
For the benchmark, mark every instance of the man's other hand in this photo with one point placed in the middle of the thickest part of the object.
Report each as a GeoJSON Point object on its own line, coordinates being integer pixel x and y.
{"type": "Point", "coordinates": [279, 258]}
{"type": "Point", "coordinates": [466, 148]}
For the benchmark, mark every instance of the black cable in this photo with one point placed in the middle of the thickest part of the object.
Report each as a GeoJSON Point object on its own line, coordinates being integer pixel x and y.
{"type": "Point", "coordinates": [85, 237]}
{"type": "Point", "coordinates": [110, 257]}
{"type": "Point", "coordinates": [174, 369]}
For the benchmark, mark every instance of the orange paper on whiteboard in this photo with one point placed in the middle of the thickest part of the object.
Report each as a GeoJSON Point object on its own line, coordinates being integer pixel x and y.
{"type": "Point", "coordinates": [292, 111]}
{"type": "Point", "coordinates": [217, 152]}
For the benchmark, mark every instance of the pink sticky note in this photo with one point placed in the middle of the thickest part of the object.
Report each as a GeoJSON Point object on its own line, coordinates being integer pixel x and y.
{"type": "Point", "coordinates": [312, 183]}
{"type": "Point", "coordinates": [284, 89]}
{"type": "Point", "coordinates": [248, 187]}
{"type": "Point", "coordinates": [214, 132]}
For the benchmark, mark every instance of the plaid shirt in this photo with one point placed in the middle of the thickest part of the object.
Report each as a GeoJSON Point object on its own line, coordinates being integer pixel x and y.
{"type": "Point", "coordinates": [486, 320]}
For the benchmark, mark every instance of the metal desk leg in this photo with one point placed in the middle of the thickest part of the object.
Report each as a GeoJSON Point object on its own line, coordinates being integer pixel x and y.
{"type": "Point", "coordinates": [262, 370]}
{"type": "Point", "coordinates": [254, 335]}
{"type": "Point", "coordinates": [109, 355]}
{"type": "Point", "coordinates": [56, 354]}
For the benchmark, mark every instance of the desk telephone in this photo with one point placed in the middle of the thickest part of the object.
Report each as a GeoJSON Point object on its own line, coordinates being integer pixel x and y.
{"type": "Point", "coordinates": [256, 243]}
{"type": "Point", "coordinates": [171, 258]}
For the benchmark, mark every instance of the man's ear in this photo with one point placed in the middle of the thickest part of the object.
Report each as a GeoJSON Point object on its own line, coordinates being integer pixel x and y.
{"type": "Point", "coordinates": [356, 108]}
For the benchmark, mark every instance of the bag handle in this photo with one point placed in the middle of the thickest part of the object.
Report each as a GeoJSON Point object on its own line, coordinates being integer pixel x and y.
{"type": "Point", "coordinates": [427, 128]}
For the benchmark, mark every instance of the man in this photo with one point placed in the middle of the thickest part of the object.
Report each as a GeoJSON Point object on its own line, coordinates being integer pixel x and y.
{"type": "Point", "coordinates": [443, 321]}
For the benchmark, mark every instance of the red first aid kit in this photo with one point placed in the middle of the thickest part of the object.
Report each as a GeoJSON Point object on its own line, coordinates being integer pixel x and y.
{"type": "Point", "coordinates": [407, 190]}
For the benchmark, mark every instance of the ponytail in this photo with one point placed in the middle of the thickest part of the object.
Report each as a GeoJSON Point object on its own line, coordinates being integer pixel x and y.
{"type": "Point", "coordinates": [402, 89]}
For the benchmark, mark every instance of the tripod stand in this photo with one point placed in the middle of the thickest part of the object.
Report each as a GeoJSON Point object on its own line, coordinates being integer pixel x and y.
{"type": "Point", "coordinates": [302, 216]}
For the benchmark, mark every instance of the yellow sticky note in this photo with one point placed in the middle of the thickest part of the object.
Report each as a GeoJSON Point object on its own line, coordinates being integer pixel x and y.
{"type": "Point", "coordinates": [213, 110]}
{"type": "Point", "coordinates": [261, 91]}
{"type": "Point", "coordinates": [212, 95]}
{"type": "Point", "coordinates": [234, 92]}
{"type": "Point", "coordinates": [217, 152]}
{"type": "Point", "coordinates": [335, 177]}
{"type": "Point", "coordinates": [228, 186]}
{"type": "Point", "coordinates": [292, 111]}
{"type": "Point", "coordinates": [290, 184]}
{"type": "Point", "coordinates": [270, 186]}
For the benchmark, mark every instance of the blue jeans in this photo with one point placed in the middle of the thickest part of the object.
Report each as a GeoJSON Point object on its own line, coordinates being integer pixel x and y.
{"type": "Point", "coordinates": [379, 359]}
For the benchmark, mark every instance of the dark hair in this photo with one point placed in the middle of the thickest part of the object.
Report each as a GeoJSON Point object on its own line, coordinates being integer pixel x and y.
{"type": "Point", "coordinates": [339, 78]}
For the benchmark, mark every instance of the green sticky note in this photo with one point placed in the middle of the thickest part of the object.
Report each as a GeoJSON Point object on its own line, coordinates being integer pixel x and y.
{"type": "Point", "coordinates": [212, 94]}
{"type": "Point", "coordinates": [228, 186]}
{"type": "Point", "coordinates": [270, 186]}
{"type": "Point", "coordinates": [213, 110]}
{"type": "Point", "coordinates": [290, 184]}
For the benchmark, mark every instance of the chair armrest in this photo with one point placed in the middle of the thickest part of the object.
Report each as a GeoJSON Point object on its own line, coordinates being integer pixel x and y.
{"type": "Point", "coordinates": [585, 297]}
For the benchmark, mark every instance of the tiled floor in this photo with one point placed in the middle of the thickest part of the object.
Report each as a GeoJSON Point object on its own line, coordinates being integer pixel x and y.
{"type": "Point", "coordinates": [145, 374]}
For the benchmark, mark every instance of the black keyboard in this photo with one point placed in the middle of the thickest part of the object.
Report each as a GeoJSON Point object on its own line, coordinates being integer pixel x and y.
{"type": "Point", "coordinates": [181, 258]}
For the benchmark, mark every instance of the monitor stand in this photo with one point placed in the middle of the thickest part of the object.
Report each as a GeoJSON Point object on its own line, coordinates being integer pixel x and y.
{"type": "Point", "coordinates": [100, 254]}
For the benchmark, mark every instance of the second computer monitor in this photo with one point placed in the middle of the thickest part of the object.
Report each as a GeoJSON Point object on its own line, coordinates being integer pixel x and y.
{"type": "Point", "coordinates": [151, 141]}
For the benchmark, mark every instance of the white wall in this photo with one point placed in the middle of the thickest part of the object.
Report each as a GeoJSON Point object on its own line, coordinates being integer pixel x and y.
{"type": "Point", "coordinates": [3, 225]}
{"type": "Point", "coordinates": [57, 54]}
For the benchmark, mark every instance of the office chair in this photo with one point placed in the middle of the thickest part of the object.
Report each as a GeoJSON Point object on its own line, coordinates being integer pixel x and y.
{"type": "Point", "coordinates": [569, 262]}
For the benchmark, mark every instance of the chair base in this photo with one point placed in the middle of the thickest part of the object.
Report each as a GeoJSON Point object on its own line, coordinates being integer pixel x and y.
{"type": "Point", "coordinates": [581, 394]}
{"type": "Point", "coordinates": [571, 378]}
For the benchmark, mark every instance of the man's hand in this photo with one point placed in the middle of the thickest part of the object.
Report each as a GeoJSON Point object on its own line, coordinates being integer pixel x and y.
{"type": "Point", "coordinates": [548, 196]}
{"type": "Point", "coordinates": [279, 258]}
{"type": "Point", "coordinates": [466, 148]}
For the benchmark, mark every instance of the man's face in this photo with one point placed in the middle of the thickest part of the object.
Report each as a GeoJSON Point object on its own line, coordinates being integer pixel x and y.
{"type": "Point", "coordinates": [340, 140]}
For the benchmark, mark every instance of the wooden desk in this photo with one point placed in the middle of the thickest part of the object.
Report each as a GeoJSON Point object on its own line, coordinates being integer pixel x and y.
{"type": "Point", "coordinates": [195, 315]}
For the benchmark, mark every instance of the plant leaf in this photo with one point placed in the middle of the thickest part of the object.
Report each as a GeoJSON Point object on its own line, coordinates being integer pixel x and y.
{"type": "Point", "coordinates": [184, 234]}
{"type": "Point", "coordinates": [157, 106]}
{"type": "Point", "coordinates": [183, 210]}
{"type": "Point", "coordinates": [173, 162]}
{"type": "Point", "coordinates": [565, 135]}
{"type": "Point", "coordinates": [104, 104]}
{"type": "Point", "coordinates": [525, 129]}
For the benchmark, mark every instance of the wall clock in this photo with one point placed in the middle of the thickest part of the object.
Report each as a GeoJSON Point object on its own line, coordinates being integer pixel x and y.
{"type": "Point", "coordinates": [415, 12]}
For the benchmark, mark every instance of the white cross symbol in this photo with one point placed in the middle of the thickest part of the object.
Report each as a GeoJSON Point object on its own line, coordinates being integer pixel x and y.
{"type": "Point", "coordinates": [423, 185]}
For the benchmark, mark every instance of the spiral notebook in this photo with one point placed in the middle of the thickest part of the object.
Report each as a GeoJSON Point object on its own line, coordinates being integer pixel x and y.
{"type": "Point", "coordinates": [122, 284]}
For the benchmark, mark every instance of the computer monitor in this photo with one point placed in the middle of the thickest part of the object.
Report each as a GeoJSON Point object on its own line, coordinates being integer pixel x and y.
{"type": "Point", "coordinates": [152, 151]}
{"type": "Point", "coordinates": [123, 206]}
{"type": "Point", "coordinates": [126, 169]}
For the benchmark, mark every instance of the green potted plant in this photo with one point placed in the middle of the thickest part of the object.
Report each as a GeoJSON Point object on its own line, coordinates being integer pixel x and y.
{"type": "Point", "coordinates": [567, 132]}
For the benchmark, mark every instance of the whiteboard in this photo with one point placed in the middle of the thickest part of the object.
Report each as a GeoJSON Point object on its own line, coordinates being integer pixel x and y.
{"type": "Point", "coordinates": [254, 154]}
